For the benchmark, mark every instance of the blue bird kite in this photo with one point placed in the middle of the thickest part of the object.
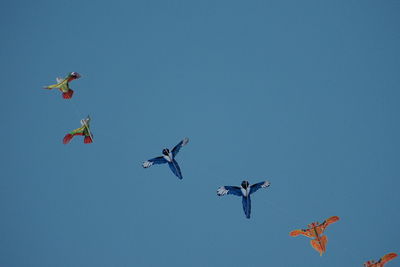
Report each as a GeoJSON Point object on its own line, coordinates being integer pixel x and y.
{"type": "Point", "coordinates": [169, 157]}
{"type": "Point", "coordinates": [244, 191]}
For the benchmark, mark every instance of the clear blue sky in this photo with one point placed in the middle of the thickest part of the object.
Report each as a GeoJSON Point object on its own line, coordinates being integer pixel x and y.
{"type": "Point", "coordinates": [302, 93]}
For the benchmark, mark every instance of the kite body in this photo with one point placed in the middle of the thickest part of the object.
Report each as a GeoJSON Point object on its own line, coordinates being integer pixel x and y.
{"type": "Point", "coordinates": [315, 230]}
{"type": "Point", "coordinates": [84, 130]}
{"type": "Point", "coordinates": [169, 157]}
{"type": "Point", "coordinates": [63, 85]}
{"type": "Point", "coordinates": [244, 191]}
{"type": "Point", "coordinates": [382, 261]}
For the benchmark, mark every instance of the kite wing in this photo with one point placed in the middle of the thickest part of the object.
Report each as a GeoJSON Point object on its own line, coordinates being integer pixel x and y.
{"type": "Point", "coordinates": [69, 136]}
{"type": "Point", "coordinates": [60, 83]}
{"type": "Point", "coordinates": [229, 190]}
{"type": "Point", "coordinates": [257, 186]}
{"type": "Point", "coordinates": [157, 160]}
{"type": "Point", "coordinates": [387, 257]}
{"type": "Point", "coordinates": [327, 222]}
{"type": "Point", "coordinates": [305, 232]}
{"type": "Point", "coordinates": [182, 143]}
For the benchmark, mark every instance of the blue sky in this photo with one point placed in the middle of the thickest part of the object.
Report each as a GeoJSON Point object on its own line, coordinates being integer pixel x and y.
{"type": "Point", "coordinates": [301, 93]}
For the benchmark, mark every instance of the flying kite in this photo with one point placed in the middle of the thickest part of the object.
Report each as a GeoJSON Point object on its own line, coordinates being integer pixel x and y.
{"type": "Point", "coordinates": [244, 191]}
{"type": "Point", "coordinates": [169, 157]}
{"type": "Point", "coordinates": [315, 230]}
{"type": "Point", "coordinates": [63, 85]}
{"type": "Point", "coordinates": [83, 130]}
{"type": "Point", "coordinates": [382, 261]}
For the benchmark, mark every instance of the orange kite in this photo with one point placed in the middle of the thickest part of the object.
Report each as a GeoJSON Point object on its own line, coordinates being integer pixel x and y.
{"type": "Point", "coordinates": [382, 261]}
{"type": "Point", "coordinates": [315, 230]}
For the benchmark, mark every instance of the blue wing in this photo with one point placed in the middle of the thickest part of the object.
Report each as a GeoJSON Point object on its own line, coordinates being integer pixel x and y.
{"type": "Point", "coordinates": [246, 201]}
{"type": "Point", "coordinates": [157, 160]}
{"type": "Point", "coordinates": [257, 186]}
{"type": "Point", "coordinates": [182, 143]}
{"type": "Point", "coordinates": [229, 190]}
{"type": "Point", "coordinates": [175, 169]}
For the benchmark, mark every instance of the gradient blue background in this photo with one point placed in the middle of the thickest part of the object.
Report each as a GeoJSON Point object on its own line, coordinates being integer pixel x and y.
{"type": "Point", "coordinates": [302, 93]}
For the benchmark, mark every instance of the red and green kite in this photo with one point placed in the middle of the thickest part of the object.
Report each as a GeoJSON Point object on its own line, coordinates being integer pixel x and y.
{"type": "Point", "coordinates": [83, 130]}
{"type": "Point", "coordinates": [63, 85]}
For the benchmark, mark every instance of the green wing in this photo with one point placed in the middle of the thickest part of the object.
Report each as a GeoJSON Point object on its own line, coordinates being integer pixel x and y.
{"type": "Point", "coordinates": [80, 130]}
{"type": "Point", "coordinates": [62, 85]}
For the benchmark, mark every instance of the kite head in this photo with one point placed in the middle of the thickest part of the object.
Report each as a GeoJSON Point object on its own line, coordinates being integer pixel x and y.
{"type": "Point", "coordinates": [313, 224]}
{"type": "Point", "coordinates": [74, 75]}
{"type": "Point", "coordinates": [165, 151]}
{"type": "Point", "coordinates": [85, 121]}
{"type": "Point", "coordinates": [245, 184]}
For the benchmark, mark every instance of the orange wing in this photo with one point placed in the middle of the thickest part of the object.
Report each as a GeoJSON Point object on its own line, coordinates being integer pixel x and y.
{"type": "Point", "coordinates": [298, 232]}
{"type": "Point", "coordinates": [327, 222]}
{"type": "Point", "coordinates": [387, 257]}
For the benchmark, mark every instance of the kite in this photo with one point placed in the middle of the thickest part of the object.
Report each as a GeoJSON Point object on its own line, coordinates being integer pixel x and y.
{"type": "Point", "coordinates": [169, 157]}
{"type": "Point", "coordinates": [63, 85]}
{"type": "Point", "coordinates": [83, 130]}
{"type": "Point", "coordinates": [382, 261]}
{"type": "Point", "coordinates": [244, 191]}
{"type": "Point", "coordinates": [315, 230]}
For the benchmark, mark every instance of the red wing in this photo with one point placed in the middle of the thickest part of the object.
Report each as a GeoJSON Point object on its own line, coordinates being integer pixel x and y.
{"type": "Point", "coordinates": [298, 232]}
{"type": "Point", "coordinates": [68, 137]}
{"type": "Point", "coordinates": [388, 257]}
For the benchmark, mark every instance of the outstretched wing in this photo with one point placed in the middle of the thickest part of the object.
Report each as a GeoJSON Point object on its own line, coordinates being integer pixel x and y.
{"type": "Point", "coordinates": [229, 190]}
{"type": "Point", "coordinates": [175, 169]}
{"type": "Point", "coordinates": [157, 160]}
{"type": "Point", "coordinates": [327, 222]}
{"type": "Point", "coordinates": [68, 137]}
{"type": "Point", "coordinates": [305, 232]}
{"type": "Point", "coordinates": [257, 186]}
{"type": "Point", "coordinates": [387, 257]}
{"type": "Point", "coordinates": [182, 143]}
{"type": "Point", "coordinates": [60, 83]}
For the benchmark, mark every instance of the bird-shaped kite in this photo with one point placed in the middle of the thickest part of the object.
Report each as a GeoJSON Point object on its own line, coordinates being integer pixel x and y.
{"type": "Point", "coordinates": [315, 230]}
{"type": "Point", "coordinates": [169, 157]}
{"type": "Point", "coordinates": [83, 130]}
{"type": "Point", "coordinates": [63, 85]}
{"type": "Point", "coordinates": [382, 261]}
{"type": "Point", "coordinates": [244, 191]}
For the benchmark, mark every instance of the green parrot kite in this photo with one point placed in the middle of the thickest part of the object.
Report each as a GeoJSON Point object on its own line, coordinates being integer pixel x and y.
{"type": "Point", "coordinates": [83, 130]}
{"type": "Point", "coordinates": [63, 85]}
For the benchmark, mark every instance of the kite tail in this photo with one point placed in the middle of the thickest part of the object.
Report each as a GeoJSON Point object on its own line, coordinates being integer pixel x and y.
{"type": "Point", "coordinates": [88, 140]}
{"type": "Point", "coordinates": [67, 138]}
{"type": "Point", "coordinates": [68, 95]}
{"type": "Point", "coordinates": [321, 245]}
